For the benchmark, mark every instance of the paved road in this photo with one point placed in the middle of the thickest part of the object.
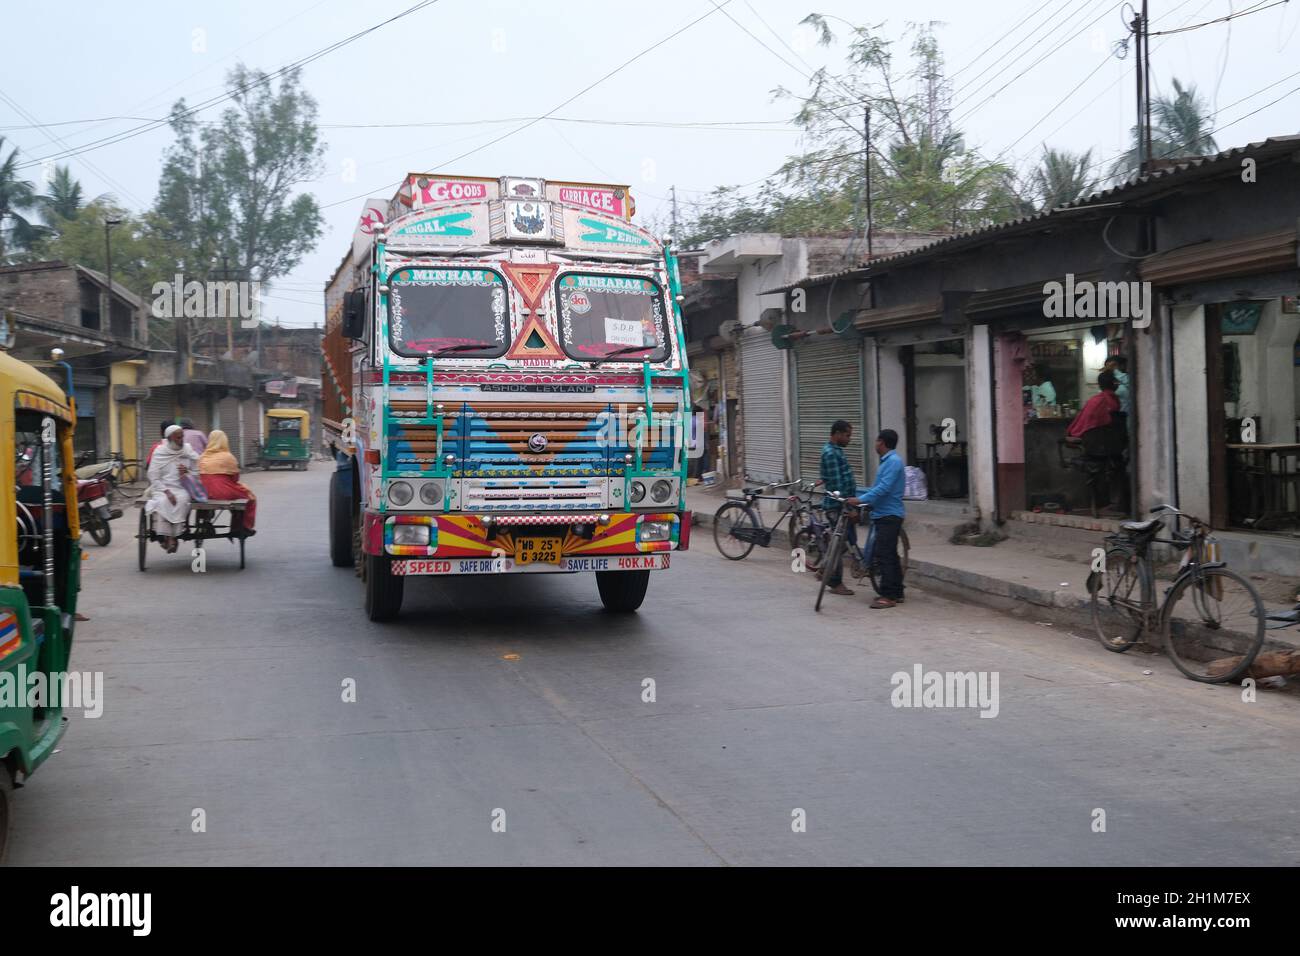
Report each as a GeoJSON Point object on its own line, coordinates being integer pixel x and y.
{"type": "Point", "coordinates": [224, 693]}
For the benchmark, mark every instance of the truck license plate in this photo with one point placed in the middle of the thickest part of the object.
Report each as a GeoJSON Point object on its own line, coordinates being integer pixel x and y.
{"type": "Point", "coordinates": [542, 550]}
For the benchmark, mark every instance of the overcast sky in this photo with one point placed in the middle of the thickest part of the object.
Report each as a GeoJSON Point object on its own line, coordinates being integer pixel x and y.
{"type": "Point", "coordinates": [471, 63]}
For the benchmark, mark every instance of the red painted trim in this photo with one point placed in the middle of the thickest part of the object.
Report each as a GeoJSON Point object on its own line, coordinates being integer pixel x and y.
{"type": "Point", "coordinates": [372, 540]}
{"type": "Point", "coordinates": [684, 530]}
{"type": "Point", "coordinates": [514, 378]}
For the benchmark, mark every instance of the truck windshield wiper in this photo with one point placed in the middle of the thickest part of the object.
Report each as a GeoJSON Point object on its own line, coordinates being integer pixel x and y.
{"type": "Point", "coordinates": [462, 347]}
{"type": "Point", "coordinates": [625, 350]}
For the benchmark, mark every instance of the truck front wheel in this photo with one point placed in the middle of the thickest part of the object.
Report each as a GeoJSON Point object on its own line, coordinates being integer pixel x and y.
{"type": "Point", "coordinates": [340, 522]}
{"type": "Point", "coordinates": [622, 591]}
{"type": "Point", "coordinates": [383, 589]}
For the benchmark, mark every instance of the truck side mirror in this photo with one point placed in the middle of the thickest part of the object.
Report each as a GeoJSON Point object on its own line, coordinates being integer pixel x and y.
{"type": "Point", "coordinates": [354, 314]}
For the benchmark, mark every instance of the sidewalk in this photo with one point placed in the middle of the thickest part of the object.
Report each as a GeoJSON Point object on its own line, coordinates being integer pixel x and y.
{"type": "Point", "coordinates": [1013, 576]}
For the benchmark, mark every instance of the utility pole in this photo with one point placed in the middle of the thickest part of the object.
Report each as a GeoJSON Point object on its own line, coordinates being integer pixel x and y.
{"type": "Point", "coordinates": [1142, 73]}
{"type": "Point", "coordinates": [1146, 79]}
{"type": "Point", "coordinates": [673, 193]}
{"type": "Point", "coordinates": [230, 334]}
{"type": "Point", "coordinates": [866, 170]}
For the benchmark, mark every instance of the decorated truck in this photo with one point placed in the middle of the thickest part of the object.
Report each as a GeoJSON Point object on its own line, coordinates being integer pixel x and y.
{"type": "Point", "coordinates": [506, 389]}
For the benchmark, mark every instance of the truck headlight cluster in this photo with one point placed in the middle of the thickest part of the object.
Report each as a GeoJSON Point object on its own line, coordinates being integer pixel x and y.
{"type": "Point", "coordinates": [400, 493]}
{"type": "Point", "coordinates": [417, 534]}
{"type": "Point", "coordinates": [656, 531]}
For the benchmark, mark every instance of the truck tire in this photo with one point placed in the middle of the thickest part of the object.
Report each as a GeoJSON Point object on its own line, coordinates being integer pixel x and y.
{"type": "Point", "coordinates": [383, 589]}
{"type": "Point", "coordinates": [340, 521]}
{"type": "Point", "coordinates": [622, 591]}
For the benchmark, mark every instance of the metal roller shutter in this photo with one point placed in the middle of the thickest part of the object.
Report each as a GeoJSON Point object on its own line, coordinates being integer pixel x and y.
{"type": "Point", "coordinates": [828, 372]}
{"type": "Point", "coordinates": [153, 411]}
{"type": "Point", "coordinates": [228, 420]}
{"type": "Point", "coordinates": [761, 407]}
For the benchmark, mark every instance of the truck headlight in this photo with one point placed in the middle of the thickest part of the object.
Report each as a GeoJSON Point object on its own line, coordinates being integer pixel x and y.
{"type": "Point", "coordinates": [417, 534]}
{"type": "Point", "coordinates": [660, 490]}
{"type": "Point", "coordinates": [656, 531]}
{"type": "Point", "coordinates": [400, 493]}
{"type": "Point", "coordinates": [638, 491]}
{"type": "Point", "coordinates": [431, 493]}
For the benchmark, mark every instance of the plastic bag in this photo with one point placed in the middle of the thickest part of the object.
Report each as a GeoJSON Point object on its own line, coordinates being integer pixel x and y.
{"type": "Point", "coordinates": [914, 486]}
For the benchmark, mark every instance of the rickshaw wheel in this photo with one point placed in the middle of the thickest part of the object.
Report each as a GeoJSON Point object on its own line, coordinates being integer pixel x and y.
{"type": "Point", "coordinates": [143, 537]}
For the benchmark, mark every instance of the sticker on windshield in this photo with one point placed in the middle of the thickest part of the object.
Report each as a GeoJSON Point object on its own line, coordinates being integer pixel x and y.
{"type": "Point", "coordinates": [623, 332]}
{"type": "Point", "coordinates": [579, 303]}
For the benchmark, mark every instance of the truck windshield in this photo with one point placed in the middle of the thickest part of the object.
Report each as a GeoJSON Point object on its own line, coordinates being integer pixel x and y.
{"type": "Point", "coordinates": [619, 317]}
{"type": "Point", "coordinates": [453, 311]}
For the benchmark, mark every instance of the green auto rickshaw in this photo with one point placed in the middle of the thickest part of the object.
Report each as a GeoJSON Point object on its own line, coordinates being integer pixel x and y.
{"type": "Point", "coordinates": [288, 440]}
{"type": "Point", "coordinates": [40, 568]}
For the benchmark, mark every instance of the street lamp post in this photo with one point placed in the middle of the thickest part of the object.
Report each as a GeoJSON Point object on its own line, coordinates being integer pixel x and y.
{"type": "Point", "coordinates": [107, 312]}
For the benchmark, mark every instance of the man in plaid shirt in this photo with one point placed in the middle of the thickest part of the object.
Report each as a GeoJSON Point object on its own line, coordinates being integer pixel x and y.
{"type": "Point", "coordinates": [838, 476]}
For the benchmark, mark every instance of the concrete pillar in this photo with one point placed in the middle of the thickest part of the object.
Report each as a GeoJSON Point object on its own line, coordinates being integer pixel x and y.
{"type": "Point", "coordinates": [871, 401]}
{"type": "Point", "coordinates": [979, 375]}
{"type": "Point", "coordinates": [1151, 440]}
{"type": "Point", "coordinates": [1191, 441]}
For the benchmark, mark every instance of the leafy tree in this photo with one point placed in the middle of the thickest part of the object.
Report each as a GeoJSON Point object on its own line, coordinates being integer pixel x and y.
{"type": "Point", "coordinates": [140, 256]}
{"type": "Point", "coordinates": [17, 198]}
{"type": "Point", "coordinates": [923, 177]}
{"type": "Point", "coordinates": [227, 190]}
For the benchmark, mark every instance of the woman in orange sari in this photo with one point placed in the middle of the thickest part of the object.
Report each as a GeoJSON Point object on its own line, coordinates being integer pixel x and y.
{"type": "Point", "coordinates": [220, 473]}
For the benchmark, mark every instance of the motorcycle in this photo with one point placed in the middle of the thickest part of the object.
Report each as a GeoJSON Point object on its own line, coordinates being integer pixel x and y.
{"type": "Point", "coordinates": [94, 499]}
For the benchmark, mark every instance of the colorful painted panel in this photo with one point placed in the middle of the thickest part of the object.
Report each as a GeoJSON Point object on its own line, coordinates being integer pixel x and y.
{"type": "Point", "coordinates": [10, 637]}
{"type": "Point", "coordinates": [457, 226]}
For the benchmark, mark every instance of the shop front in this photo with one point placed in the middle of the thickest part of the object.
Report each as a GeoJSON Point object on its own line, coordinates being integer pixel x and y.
{"type": "Point", "coordinates": [1062, 446]}
{"type": "Point", "coordinates": [1235, 324]}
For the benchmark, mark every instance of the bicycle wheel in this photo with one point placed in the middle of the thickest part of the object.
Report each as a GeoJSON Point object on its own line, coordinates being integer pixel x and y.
{"type": "Point", "coordinates": [734, 515]}
{"type": "Point", "coordinates": [813, 543]}
{"type": "Point", "coordinates": [871, 570]}
{"type": "Point", "coordinates": [1121, 596]}
{"type": "Point", "coordinates": [834, 554]}
{"type": "Point", "coordinates": [1213, 625]}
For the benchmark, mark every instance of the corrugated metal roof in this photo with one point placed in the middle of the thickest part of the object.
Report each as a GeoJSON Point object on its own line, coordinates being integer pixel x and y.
{"type": "Point", "coordinates": [1151, 182]}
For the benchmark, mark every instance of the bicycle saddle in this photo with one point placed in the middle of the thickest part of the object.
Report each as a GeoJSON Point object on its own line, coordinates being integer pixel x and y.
{"type": "Point", "coordinates": [751, 489]}
{"type": "Point", "coordinates": [1141, 527]}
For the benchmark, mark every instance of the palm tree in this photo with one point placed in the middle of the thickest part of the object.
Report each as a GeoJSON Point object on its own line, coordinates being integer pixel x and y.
{"type": "Point", "coordinates": [1061, 177]}
{"type": "Point", "coordinates": [63, 197]}
{"type": "Point", "coordinates": [1180, 126]}
{"type": "Point", "coordinates": [1184, 124]}
{"type": "Point", "coordinates": [17, 196]}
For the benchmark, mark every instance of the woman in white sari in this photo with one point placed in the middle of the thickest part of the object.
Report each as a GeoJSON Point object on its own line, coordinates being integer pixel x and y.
{"type": "Point", "coordinates": [169, 502]}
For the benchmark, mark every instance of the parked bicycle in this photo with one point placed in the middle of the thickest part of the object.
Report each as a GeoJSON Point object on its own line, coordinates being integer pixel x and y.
{"type": "Point", "coordinates": [1211, 621]}
{"type": "Point", "coordinates": [863, 562]}
{"type": "Point", "coordinates": [738, 527]}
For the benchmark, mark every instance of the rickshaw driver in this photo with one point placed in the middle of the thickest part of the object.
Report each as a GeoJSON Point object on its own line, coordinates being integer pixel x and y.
{"type": "Point", "coordinates": [169, 502]}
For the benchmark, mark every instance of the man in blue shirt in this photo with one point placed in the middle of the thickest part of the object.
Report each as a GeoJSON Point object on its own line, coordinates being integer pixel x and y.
{"type": "Point", "coordinates": [885, 498]}
{"type": "Point", "coordinates": [837, 476]}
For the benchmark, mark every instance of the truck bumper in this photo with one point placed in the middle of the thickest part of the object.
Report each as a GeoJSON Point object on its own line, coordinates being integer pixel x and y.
{"type": "Point", "coordinates": [470, 544]}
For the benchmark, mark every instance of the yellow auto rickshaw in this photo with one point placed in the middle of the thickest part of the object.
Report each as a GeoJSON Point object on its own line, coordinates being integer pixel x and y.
{"type": "Point", "coordinates": [288, 442]}
{"type": "Point", "coordinates": [40, 570]}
